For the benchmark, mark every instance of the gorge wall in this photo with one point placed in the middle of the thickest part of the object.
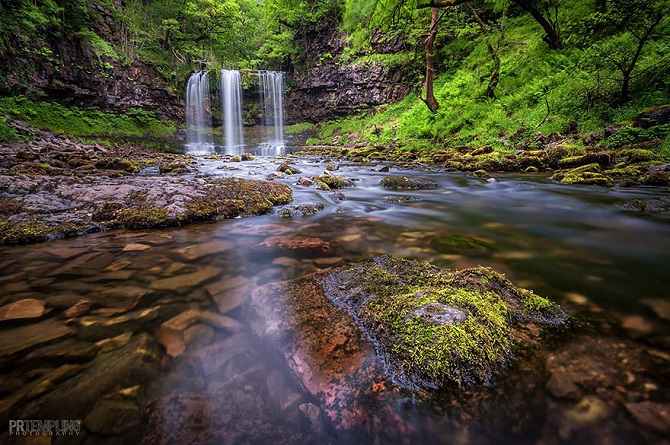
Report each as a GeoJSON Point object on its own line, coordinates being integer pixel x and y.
{"type": "Point", "coordinates": [71, 69]}
{"type": "Point", "coordinates": [324, 86]}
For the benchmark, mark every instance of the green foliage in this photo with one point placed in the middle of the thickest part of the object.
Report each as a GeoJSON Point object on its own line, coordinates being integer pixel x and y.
{"type": "Point", "coordinates": [7, 133]}
{"type": "Point", "coordinates": [90, 122]}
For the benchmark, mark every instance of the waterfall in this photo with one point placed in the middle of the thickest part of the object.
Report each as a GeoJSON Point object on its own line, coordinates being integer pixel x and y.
{"type": "Point", "coordinates": [272, 102]}
{"type": "Point", "coordinates": [198, 114]}
{"type": "Point", "coordinates": [231, 105]}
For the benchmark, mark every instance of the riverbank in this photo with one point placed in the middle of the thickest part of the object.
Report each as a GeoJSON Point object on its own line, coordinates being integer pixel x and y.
{"type": "Point", "coordinates": [53, 186]}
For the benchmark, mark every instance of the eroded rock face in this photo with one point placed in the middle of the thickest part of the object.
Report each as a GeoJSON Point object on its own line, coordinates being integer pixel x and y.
{"type": "Point", "coordinates": [326, 87]}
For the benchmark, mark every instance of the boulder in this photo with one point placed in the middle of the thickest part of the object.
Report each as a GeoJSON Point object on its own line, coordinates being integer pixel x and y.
{"type": "Point", "coordinates": [652, 117]}
{"type": "Point", "coordinates": [356, 336]}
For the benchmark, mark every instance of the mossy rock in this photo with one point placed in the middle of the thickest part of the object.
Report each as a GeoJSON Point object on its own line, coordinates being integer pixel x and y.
{"type": "Point", "coordinates": [588, 178]}
{"type": "Point", "coordinates": [433, 327]}
{"type": "Point", "coordinates": [602, 158]}
{"type": "Point", "coordinates": [332, 182]}
{"type": "Point", "coordinates": [397, 182]}
{"type": "Point", "coordinates": [635, 155]}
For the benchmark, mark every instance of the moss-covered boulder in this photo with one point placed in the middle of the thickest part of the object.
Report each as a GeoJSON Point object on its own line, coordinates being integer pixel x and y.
{"type": "Point", "coordinates": [362, 339]}
{"type": "Point", "coordinates": [397, 182]}
{"type": "Point", "coordinates": [433, 327]}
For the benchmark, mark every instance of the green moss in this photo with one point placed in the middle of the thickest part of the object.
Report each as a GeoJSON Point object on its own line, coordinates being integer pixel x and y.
{"type": "Point", "coordinates": [459, 242]}
{"type": "Point", "coordinates": [404, 183]}
{"type": "Point", "coordinates": [32, 230]}
{"type": "Point", "coordinates": [635, 155]}
{"type": "Point", "coordinates": [433, 326]}
{"type": "Point", "coordinates": [134, 218]}
{"type": "Point", "coordinates": [331, 181]}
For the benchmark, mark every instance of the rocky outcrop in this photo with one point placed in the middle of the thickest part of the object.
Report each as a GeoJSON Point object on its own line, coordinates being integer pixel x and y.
{"type": "Point", "coordinates": [73, 71]}
{"type": "Point", "coordinates": [324, 86]}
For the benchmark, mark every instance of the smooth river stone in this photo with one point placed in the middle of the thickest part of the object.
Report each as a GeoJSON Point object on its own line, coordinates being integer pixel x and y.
{"type": "Point", "coordinates": [133, 247]}
{"type": "Point", "coordinates": [28, 308]}
{"type": "Point", "coordinates": [25, 337]}
{"type": "Point", "coordinates": [198, 251]}
{"type": "Point", "coordinates": [187, 280]}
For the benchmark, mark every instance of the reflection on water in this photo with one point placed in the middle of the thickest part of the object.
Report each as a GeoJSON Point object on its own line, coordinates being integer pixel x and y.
{"type": "Point", "coordinates": [146, 335]}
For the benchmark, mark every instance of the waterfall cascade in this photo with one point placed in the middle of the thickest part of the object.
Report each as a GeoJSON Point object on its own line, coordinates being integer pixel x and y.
{"type": "Point", "coordinates": [231, 105]}
{"type": "Point", "coordinates": [198, 114]}
{"type": "Point", "coordinates": [272, 101]}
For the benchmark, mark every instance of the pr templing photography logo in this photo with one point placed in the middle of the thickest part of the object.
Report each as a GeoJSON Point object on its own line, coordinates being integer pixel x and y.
{"type": "Point", "coordinates": [33, 427]}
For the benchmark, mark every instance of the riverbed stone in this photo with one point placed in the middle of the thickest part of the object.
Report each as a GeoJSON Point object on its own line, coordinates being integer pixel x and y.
{"type": "Point", "coordinates": [397, 182]}
{"type": "Point", "coordinates": [22, 309]}
{"type": "Point", "coordinates": [655, 416]}
{"type": "Point", "coordinates": [25, 337]}
{"type": "Point", "coordinates": [187, 280]}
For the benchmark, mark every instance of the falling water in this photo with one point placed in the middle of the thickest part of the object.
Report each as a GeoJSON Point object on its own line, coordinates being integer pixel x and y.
{"type": "Point", "coordinates": [198, 114]}
{"type": "Point", "coordinates": [272, 101]}
{"type": "Point", "coordinates": [231, 104]}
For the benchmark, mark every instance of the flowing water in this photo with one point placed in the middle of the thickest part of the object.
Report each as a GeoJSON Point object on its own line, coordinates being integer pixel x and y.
{"type": "Point", "coordinates": [198, 114]}
{"type": "Point", "coordinates": [231, 104]}
{"type": "Point", "coordinates": [272, 100]}
{"type": "Point", "coordinates": [575, 245]}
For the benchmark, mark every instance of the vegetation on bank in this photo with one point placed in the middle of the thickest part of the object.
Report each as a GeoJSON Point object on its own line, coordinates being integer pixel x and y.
{"type": "Point", "coordinates": [90, 122]}
{"type": "Point", "coordinates": [572, 90]}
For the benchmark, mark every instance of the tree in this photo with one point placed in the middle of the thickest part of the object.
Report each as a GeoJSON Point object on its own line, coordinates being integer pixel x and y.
{"type": "Point", "coordinates": [495, 74]}
{"type": "Point", "coordinates": [545, 12]}
{"type": "Point", "coordinates": [629, 26]}
{"type": "Point", "coordinates": [430, 100]}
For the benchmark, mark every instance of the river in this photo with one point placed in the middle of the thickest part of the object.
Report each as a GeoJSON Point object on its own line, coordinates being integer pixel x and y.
{"type": "Point", "coordinates": [581, 246]}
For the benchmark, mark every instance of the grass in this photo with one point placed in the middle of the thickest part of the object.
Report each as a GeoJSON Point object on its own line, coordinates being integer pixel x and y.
{"type": "Point", "coordinates": [85, 123]}
{"type": "Point", "coordinates": [540, 90]}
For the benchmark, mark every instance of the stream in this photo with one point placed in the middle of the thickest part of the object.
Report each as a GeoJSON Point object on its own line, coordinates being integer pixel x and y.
{"type": "Point", "coordinates": [577, 245]}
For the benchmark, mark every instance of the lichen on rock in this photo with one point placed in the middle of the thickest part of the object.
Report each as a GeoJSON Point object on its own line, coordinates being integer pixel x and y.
{"type": "Point", "coordinates": [433, 327]}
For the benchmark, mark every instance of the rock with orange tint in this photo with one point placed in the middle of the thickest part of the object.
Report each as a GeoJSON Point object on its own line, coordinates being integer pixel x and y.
{"type": "Point", "coordinates": [326, 352]}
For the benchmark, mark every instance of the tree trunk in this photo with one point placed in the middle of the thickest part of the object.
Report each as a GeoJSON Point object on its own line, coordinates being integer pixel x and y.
{"type": "Point", "coordinates": [430, 100]}
{"type": "Point", "coordinates": [551, 37]}
{"type": "Point", "coordinates": [495, 75]}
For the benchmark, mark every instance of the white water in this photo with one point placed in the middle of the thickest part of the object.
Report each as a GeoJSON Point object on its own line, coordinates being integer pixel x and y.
{"type": "Point", "coordinates": [231, 104]}
{"type": "Point", "coordinates": [272, 100]}
{"type": "Point", "coordinates": [198, 114]}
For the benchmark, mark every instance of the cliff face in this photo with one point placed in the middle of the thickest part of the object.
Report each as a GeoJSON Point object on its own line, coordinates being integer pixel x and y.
{"type": "Point", "coordinates": [323, 87]}
{"type": "Point", "coordinates": [72, 70]}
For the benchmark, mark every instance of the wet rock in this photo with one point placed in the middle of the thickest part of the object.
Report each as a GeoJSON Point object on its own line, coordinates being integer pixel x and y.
{"type": "Point", "coordinates": [339, 196]}
{"type": "Point", "coordinates": [195, 252]}
{"type": "Point", "coordinates": [118, 266]}
{"type": "Point", "coordinates": [134, 247]}
{"type": "Point", "coordinates": [304, 182]}
{"type": "Point", "coordinates": [78, 309]}
{"type": "Point", "coordinates": [212, 358]}
{"type": "Point", "coordinates": [561, 385]}
{"type": "Point", "coordinates": [187, 280]}
{"type": "Point", "coordinates": [660, 307]}
{"type": "Point", "coordinates": [96, 328]}
{"type": "Point", "coordinates": [404, 183]}
{"type": "Point", "coordinates": [25, 337]}
{"type": "Point", "coordinates": [397, 199]}
{"type": "Point", "coordinates": [294, 243]}
{"type": "Point", "coordinates": [301, 210]}
{"type": "Point", "coordinates": [230, 293]}
{"type": "Point", "coordinates": [198, 335]}
{"type": "Point", "coordinates": [405, 305]}
{"type": "Point", "coordinates": [380, 168]}
{"type": "Point", "coordinates": [288, 169]}
{"type": "Point", "coordinates": [22, 309]}
{"type": "Point", "coordinates": [313, 414]}
{"type": "Point", "coordinates": [113, 417]}
{"type": "Point", "coordinates": [589, 410]}
{"type": "Point", "coordinates": [41, 386]}
{"type": "Point", "coordinates": [280, 392]}
{"type": "Point", "coordinates": [113, 343]}
{"type": "Point", "coordinates": [136, 363]}
{"type": "Point", "coordinates": [655, 416]}
{"type": "Point", "coordinates": [66, 351]}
